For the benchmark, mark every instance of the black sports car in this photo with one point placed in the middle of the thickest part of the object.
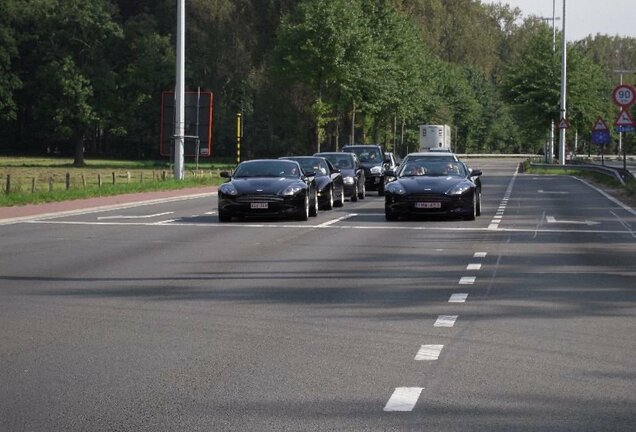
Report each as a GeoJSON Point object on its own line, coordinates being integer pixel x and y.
{"type": "Point", "coordinates": [351, 170]}
{"type": "Point", "coordinates": [267, 188]}
{"type": "Point", "coordinates": [426, 186]}
{"type": "Point", "coordinates": [329, 185]}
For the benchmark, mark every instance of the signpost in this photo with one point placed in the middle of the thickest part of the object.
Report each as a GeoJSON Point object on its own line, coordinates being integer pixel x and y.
{"type": "Point", "coordinates": [624, 95]}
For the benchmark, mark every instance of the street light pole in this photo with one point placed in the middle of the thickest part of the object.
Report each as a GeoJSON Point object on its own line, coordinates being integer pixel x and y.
{"type": "Point", "coordinates": [179, 93]}
{"type": "Point", "coordinates": [549, 154]}
{"type": "Point", "coordinates": [563, 109]}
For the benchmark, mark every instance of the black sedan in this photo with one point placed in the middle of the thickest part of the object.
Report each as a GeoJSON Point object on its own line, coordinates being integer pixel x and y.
{"type": "Point", "coordinates": [329, 185]}
{"type": "Point", "coordinates": [267, 188]}
{"type": "Point", "coordinates": [432, 187]}
{"type": "Point", "coordinates": [351, 170]}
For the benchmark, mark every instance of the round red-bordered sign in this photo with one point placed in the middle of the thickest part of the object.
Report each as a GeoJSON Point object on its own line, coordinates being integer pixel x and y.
{"type": "Point", "coordinates": [624, 95]}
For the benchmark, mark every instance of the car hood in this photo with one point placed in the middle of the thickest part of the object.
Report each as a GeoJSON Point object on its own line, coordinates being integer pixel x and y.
{"type": "Point", "coordinates": [264, 185]}
{"type": "Point", "coordinates": [435, 184]}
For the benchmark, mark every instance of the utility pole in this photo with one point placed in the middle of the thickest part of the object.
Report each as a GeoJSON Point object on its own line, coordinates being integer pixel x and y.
{"type": "Point", "coordinates": [549, 154]}
{"type": "Point", "coordinates": [563, 107]}
{"type": "Point", "coordinates": [179, 93]}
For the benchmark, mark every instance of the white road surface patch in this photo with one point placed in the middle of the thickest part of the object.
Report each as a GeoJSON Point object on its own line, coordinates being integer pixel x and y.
{"type": "Point", "coordinates": [403, 399]}
{"type": "Point", "coordinates": [458, 298]}
{"type": "Point", "coordinates": [480, 254]}
{"type": "Point", "coordinates": [445, 321]}
{"type": "Point", "coordinates": [467, 280]}
{"type": "Point", "coordinates": [134, 217]}
{"type": "Point", "coordinates": [429, 352]}
{"type": "Point", "coordinates": [473, 266]}
{"type": "Point", "coordinates": [333, 221]}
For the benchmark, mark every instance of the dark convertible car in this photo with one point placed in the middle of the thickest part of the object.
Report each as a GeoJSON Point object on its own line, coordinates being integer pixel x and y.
{"type": "Point", "coordinates": [268, 188]}
{"type": "Point", "coordinates": [431, 186]}
{"type": "Point", "coordinates": [328, 179]}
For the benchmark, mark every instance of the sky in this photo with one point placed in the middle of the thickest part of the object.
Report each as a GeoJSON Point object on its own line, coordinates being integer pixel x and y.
{"type": "Point", "coordinates": [583, 17]}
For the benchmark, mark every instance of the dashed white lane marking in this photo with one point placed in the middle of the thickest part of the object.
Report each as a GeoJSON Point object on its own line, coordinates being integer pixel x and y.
{"type": "Point", "coordinates": [467, 280]}
{"type": "Point", "coordinates": [473, 266]}
{"type": "Point", "coordinates": [541, 191]}
{"type": "Point", "coordinates": [445, 321]}
{"type": "Point", "coordinates": [403, 399]}
{"type": "Point", "coordinates": [429, 352]}
{"type": "Point", "coordinates": [480, 254]}
{"type": "Point", "coordinates": [134, 217]}
{"type": "Point", "coordinates": [333, 221]}
{"type": "Point", "coordinates": [458, 298]}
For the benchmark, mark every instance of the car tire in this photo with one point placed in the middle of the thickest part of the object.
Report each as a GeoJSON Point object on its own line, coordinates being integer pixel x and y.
{"type": "Point", "coordinates": [478, 213]}
{"type": "Point", "coordinates": [389, 215]}
{"type": "Point", "coordinates": [473, 215]}
{"type": "Point", "coordinates": [341, 200]}
{"type": "Point", "coordinates": [356, 194]}
{"type": "Point", "coordinates": [224, 216]}
{"type": "Point", "coordinates": [330, 202]}
{"type": "Point", "coordinates": [381, 188]}
{"type": "Point", "coordinates": [363, 193]}
{"type": "Point", "coordinates": [303, 213]}
{"type": "Point", "coordinates": [313, 208]}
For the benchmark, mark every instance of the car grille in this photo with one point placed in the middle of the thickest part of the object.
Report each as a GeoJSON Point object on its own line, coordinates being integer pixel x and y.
{"type": "Point", "coordinates": [259, 198]}
{"type": "Point", "coordinates": [427, 198]}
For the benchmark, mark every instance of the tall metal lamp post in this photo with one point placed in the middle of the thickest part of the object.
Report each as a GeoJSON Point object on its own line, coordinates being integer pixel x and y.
{"type": "Point", "coordinates": [563, 108]}
{"type": "Point", "coordinates": [179, 93]}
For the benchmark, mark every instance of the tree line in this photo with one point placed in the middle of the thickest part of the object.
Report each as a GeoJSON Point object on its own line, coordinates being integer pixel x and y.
{"type": "Point", "coordinates": [86, 76]}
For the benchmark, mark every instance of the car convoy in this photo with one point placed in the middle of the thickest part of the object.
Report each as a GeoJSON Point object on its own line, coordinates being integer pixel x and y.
{"type": "Point", "coordinates": [430, 183]}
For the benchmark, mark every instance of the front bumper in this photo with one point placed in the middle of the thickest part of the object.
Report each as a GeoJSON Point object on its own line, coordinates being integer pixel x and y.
{"type": "Point", "coordinates": [429, 205]}
{"type": "Point", "coordinates": [261, 205]}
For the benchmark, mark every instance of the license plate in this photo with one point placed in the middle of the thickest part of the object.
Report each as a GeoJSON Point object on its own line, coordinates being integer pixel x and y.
{"type": "Point", "coordinates": [428, 205]}
{"type": "Point", "coordinates": [377, 180]}
{"type": "Point", "coordinates": [258, 205]}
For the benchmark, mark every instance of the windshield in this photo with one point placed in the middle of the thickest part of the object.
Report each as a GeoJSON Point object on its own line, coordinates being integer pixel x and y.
{"type": "Point", "coordinates": [317, 166]}
{"type": "Point", "coordinates": [340, 160]}
{"type": "Point", "coordinates": [277, 168]}
{"type": "Point", "coordinates": [424, 167]}
{"type": "Point", "coordinates": [366, 154]}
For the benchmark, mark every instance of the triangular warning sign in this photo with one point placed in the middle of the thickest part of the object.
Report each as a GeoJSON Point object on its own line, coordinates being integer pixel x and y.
{"type": "Point", "coordinates": [624, 119]}
{"type": "Point", "coordinates": [564, 124]}
{"type": "Point", "coordinates": [600, 125]}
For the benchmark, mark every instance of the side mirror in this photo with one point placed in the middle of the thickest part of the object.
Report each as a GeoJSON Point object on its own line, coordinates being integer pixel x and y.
{"type": "Point", "coordinates": [225, 174]}
{"type": "Point", "coordinates": [475, 172]}
{"type": "Point", "coordinates": [390, 172]}
{"type": "Point", "coordinates": [336, 171]}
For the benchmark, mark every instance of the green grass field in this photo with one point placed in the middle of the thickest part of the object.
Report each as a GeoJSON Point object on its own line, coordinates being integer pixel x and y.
{"type": "Point", "coordinates": [27, 180]}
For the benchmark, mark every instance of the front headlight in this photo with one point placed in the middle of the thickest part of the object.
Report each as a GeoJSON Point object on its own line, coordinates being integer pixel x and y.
{"type": "Point", "coordinates": [459, 189]}
{"type": "Point", "coordinates": [376, 170]}
{"type": "Point", "coordinates": [228, 189]}
{"type": "Point", "coordinates": [395, 189]}
{"type": "Point", "coordinates": [348, 180]}
{"type": "Point", "coordinates": [292, 190]}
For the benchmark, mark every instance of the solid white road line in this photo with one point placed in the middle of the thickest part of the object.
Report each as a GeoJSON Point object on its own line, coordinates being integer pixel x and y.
{"type": "Point", "coordinates": [134, 217]}
{"type": "Point", "coordinates": [467, 280]}
{"type": "Point", "coordinates": [429, 352]}
{"type": "Point", "coordinates": [458, 298]}
{"type": "Point", "coordinates": [445, 321]}
{"type": "Point", "coordinates": [403, 399]}
{"type": "Point", "coordinates": [473, 266]}
{"type": "Point", "coordinates": [480, 254]}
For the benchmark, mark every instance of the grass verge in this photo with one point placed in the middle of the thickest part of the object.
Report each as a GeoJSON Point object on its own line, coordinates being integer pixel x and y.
{"type": "Point", "coordinates": [40, 180]}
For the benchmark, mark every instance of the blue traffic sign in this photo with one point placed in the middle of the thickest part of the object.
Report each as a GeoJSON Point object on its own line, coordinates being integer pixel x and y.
{"type": "Point", "coordinates": [625, 129]}
{"type": "Point", "coordinates": [601, 137]}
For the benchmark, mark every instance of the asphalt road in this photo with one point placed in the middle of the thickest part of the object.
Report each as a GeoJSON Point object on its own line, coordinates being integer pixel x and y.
{"type": "Point", "coordinates": [158, 318]}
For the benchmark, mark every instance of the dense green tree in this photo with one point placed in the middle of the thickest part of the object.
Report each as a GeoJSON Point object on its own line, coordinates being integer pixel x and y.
{"type": "Point", "coordinates": [9, 80]}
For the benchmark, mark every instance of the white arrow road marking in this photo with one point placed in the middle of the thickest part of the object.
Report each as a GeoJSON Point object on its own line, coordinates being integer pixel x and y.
{"type": "Point", "coordinates": [552, 219]}
{"type": "Point", "coordinates": [403, 399]}
{"type": "Point", "coordinates": [134, 217]}
{"type": "Point", "coordinates": [333, 221]}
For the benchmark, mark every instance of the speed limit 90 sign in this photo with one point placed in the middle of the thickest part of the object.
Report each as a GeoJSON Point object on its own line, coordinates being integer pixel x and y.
{"type": "Point", "coordinates": [624, 95]}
